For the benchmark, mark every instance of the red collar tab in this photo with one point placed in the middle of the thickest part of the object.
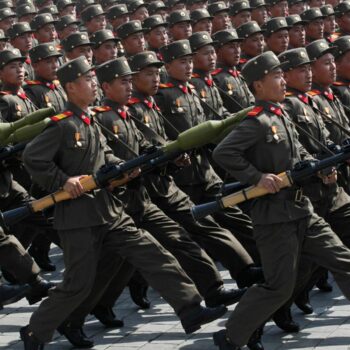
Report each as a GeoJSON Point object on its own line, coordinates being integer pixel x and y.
{"type": "Point", "coordinates": [159, 56]}
{"type": "Point", "coordinates": [28, 60]}
{"type": "Point", "coordinates": [122, 112]}
{"type": "Point", "coordinates": [275, 110]}
{"type": "Point", "coordinates": [86, 119]}
{"type": "Point", "coordinates": [234, 73]}
{"type": "Point", "coordinates": [133, 100]}
{"type": "Point", "coordinates": [150, 104]}
{"type": "Point", "coordinates": [329, 95]}
{"type": "Point", "coordinates": [208, 81]}
{"type": "Point", "coordinates": [51, 86]}
{"type": "Point", "coordinates": [22, 95]}
{"type": "Point", "coordinates": [185, 89]}
{"type": "Point", "coordinates": [216, 71]}
{"type": "Point", "coordinates": [304, 98]}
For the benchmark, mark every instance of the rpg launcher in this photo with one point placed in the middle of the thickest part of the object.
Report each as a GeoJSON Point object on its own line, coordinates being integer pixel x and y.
{"type": "Point", "coordinates": [10, 151]}
{"type": "Point", "coordinates": [301, 171]}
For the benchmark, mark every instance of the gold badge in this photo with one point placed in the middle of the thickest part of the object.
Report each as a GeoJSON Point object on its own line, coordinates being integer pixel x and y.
{"type": "Point", "coordinates": [77, 139]}
{"type": "Point", "coordinates": [274, 132]}
{"type": "Point", "coordinates": [230, 88]}
{"type": "Point", "coordinates": [178, 105]}
{"type": "Point", "coordinates": [48, 102]}
{"type": "Point", "coordinates": [115, 129]}
{"type": "Point", "coordinates": [326, 109]}
{"type": "Point", "coordinates": [146, 119]}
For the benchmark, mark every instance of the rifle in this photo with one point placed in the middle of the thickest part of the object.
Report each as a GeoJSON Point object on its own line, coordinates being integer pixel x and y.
{"type": "Point", "coordinates": [301, 171]}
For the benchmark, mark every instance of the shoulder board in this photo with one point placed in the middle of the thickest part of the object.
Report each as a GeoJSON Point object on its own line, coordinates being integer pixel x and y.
{"type": "Point", "coordinates": [335, 36]}
{"type": "Point", "coordinates": [167, 85]}
{"type": "Point", "coordinates": [33, 82]}
{"type": "Point", "coordinates": [133, 100]}
{"type": "Point", "coordinates": [255, 111]}
{"type": "Point", "coordinates": [58, 117]}
{"type": "Point", "coordinates": [101, 109]}
{"type": "Point", "coordinates": [5, 93]}
{"type": "Point", "coordinates": [340, 83]}
{"type": "Point", "coordinates": [216, 71]}
{"type": "Point", "coordinates": [288, 93]}
{"type": "Point", "coordinates": [195, 75]}
{"type": "Point", "coordinates": [243, 60]}
{"type": "Point", "coordinates": [314, 92]}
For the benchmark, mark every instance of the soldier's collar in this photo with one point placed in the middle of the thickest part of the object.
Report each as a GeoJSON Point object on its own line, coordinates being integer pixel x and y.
{"type": "Point", "coordinates": [269, 106]}
{"type": "Point", "coordinates": [117, 107]}
{"type": "Point", "coordinates": [301, 95]}
{"type": "Point", "coordinates": [85, 116]}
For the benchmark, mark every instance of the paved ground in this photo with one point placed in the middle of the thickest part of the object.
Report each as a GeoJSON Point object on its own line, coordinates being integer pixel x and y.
{"type": "Point", "coordinates": [159, 329]}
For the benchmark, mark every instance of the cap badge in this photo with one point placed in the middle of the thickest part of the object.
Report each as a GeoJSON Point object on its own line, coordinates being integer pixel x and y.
{"type": "Point", "coordinates": [205, 36]}
{"type": "Point", "coordinates": [185, 46]}
{"type": "Point", "coordinates": [83, 37]}
{"type": "Point", "coordinates": [51, 48]}
{"type": "Point", "coordinates": [302, 54]}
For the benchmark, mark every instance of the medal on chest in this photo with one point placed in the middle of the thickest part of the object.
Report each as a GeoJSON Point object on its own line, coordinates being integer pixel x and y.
{"type": "Point", "coordinates": [146, 120]}
{"type": "Point", "coordinates": [115, 129]}
{"type": "Point", "coordinates": [326, 109]}
{"type": "Point", "coordinates": [47, 101]}
{"type": "Point", "coordinates": [18, 110]}
{"type": "Point", "coordinates": [230, 88]}
{"type": "Point", "coordinates": [77, 139]}
{"type": "Point", "coordinates": [274, 133]}
{"type": "Point", "coordinates": [178, 105]}
{"type": "Point", "coordinates": [203, 94]}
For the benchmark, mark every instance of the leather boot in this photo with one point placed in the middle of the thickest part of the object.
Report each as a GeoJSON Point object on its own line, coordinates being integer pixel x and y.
{"type": "Point", "coordinates": [41, 257]}
{"type": "Point", "coordinates": [11, 293]}
{"type": "Point", "coordinates": [323, 284]}
{"type": "Point", "coordinates": [254, 342]}
{"type": "Point", "coordinates": [221, 341]}
{"type": "Point", "coordinates": [76, 336]}
{"type": "Point", "coordinates": [250, 276]}
{"type": "Point", "coordinates": [138, 292]}
{"type": "Point", "coordinates": [302, 301]}
{"type": "Point", "coordinates": [283, 319]}
{"type": "Point", "coordinates": [29, 339]}
{"type": "Point", "coordinates": [107, 317]}
{"type": "Point", "coordinates": [225, 297]}
{"type": "Point", "coordinates": [39, 289]}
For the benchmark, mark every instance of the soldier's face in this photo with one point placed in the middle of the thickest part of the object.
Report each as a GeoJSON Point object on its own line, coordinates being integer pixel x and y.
{"type": "Point", "coordinates": [72, 28]}
{"type": "Point", "coordinates": [278, 41]}
{"type": "Point", "coordinates": [253, 45]}
{"type": "Point", "coordinates": [47, 68]}
{"type": "Point", "coordinates": [120, 20]}
{"type": "Point", "coordinates": [157, 37]}
{"type": "Point", "coordinates": [83, 50]}
{"type": "Point", "coordinates": [230, 54]}
{"type": "Point", "coordinates": [96, 23]}
{"type": "Point", "coordinates": [7, 23]}
{"type": "Point", "coordinates": [27, 18]}
{"type": "Point", "coordinates": [205, 58]}
{"type": "Point", "coordinates": [329, 25]}
{"type": "Point", "coordinates": [316, 3]}
{"type": "Point", "coordinates": [12, 74]}
{"type": "Point", "coordinates": [344, 22]}
{"type": "Point", "coordinates": [297, 36]}
{"type": "Point", "coordinates": [181, 68]}
{"type": "Point", "coordinates": [46, 34]}
{"type": "Point", "coordinates": [119, 90]}
{"type": "Point", "coordinates": [297, 8]}
{"type": "Point", "coordinates": [23, 42]}
{"type": "Point", "coordinates": [272, 87]}
{"type": "Point", "coordinates": [3, 45]}
{"type": "Point", "coordinates": [68, 10]}
{"type": "Point", "coordinates": [180, 31]}
{"type": "Point", "coordinates": [280, 9]}
{"type": "Point", "coordinates": [147, 81]}
{"type": "Point", "coordinates": [315, 29]}
{"type": "Point", "coordinates": [324, 70]}
{"type": "Point", "coordinates": [134, 43]}
{"type": "Point", "coordinates": [198, 5]}
{"type": "Point", "coordinates": [343, 66]}
{"type": "Point", "coordinates": [221, 21]}
{"type": "Point", "coordinates": [240, 18]}
{"type": "Point", "coordinates": [87, 84]}
{"type": "Point", "coordinates": [300, 78]}
{"type": "Point", "coordinates": [204, 25]}
{"type": "Point", "coordinates": [141, 13]}
{"type": "Point", "coordinates": [260, 15]}
{"type": "Point", "coordinates": [106, 52]}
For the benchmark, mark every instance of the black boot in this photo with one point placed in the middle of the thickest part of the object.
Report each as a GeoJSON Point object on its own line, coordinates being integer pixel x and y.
{"type": "Point", "coordinates": [225, 297]}
{"type": "Point", "coordinates": [29, 340]}
{"type": "Point", "coordinates": [250, 276]}
{"type": "Point", "coordinates": [39, 289]}
{"type": "Point", "coordinates": [11, 293]}
{"type": "Point", "coordinates": [221, 340]}
{"type": "Point", "coordinates": [283, 319]}
{"type": "Point", "coordinates": [195, 317]}
{"type": "Point", "coordinates": [138, 292]}
{"type": "Point", "coordinates": [107, 317]}
{"type": "Point", "coordinates": [323, 284]}
{"type": "Point", "coordinates": [254, 342]}
{"type": "Point", "coordinates": [303, 302]}
{"type": "Point", "coordinates": [76, 336]}
{"type": "Point", "coordinates": [41, 257]}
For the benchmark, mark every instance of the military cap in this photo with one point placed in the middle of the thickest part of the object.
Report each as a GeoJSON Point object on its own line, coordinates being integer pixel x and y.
{"type": "Point", "coordinates": [72, 70]}
{"type": "Point", "coordinates": [293, 2]}
{"type": "Point", "coordinates": [83, 4]}
{"type": "Point", "coordinates": [327, 10]}
{"type": "Point", "coordinates": [144, 59]}
{"type": "Point", "coordinates": [113, 69]}
{"type": "Point", "coordinates": [272, 2]}
{"type": "Point", "coordinates": [342, 45]}
{"type": "Point", "coordinates": [239, 6]}
{"type": "Point", "coordinates": [248, 29]}
{"type": "Point", "coordinates": [178, 17]}
{"type": "Point", "coordinates": [6, 13]}
{"type": "Point", "coordinates": [101, 36]}
{"type": "Point", "coordinates": [217, 7]}
{"type": "Point", "coordinates": [312, 14]}
{"type": "Point", "coordinates": [318, 48]}
{"type": "Point", "coordinates": [254, 4]}
{"type": "Point", "coordinates": [65, 21]}
{"type": "Point", "coordinates": [41, 20]}
{"type": "Point", "coordinates": [155, 6]}
{"type": "Point", "coordinates": [152, 22]}
{"type": "Point", "coordinates": [226, 36]}
{"type": "Point", "coordinates": [191, 2]}
{"type": "Point", "coordinates": [50, 9]}
{"type": "Point", "coordinates": [117, 11]}
{"type": "Point", "coordinates": [294, 58]}
{"type": "Point", "coordinates": [6, 3]}
{"type": "Point", "coordinates": [107, 3]}
{"type": "Point", "coordinates": [199, 14]}
{"type": "Point", "coordinates": [42, 51]}
{"type": "Point", "coordinates": [135, 4]}
{"type": "Point", "coordinates": [294, 20]}
{"type": "Point", "coordinates": [275, 24]}
{"type": "Point", "coordinates": [62, 4]}
{"type": "Point", "coordinates": [171, 3]}
{"type": "Point", "coordinates": [176, 49]}
{"type": "Point", "coordinates": [2, 36]}
{"type": "Point", "coordinates": [129, 28]}
{"type": "Point", "coordinates": [74, 40]}
{"type": "Point", "coordinates": [24, 2]}
{"type": "Point", "coordinates": [26, 9]}
{"type": "Point", "coordinates": [342, 8]}
{"type": "Point", "coordinates": [259, 66]}
{"type": "Point", "coordinates": [18, 29]}
{"type": "Point", "coordinates": [92, 11]}
{"type": "Point", "coordinates": [10, 55]}
{"type": "Point", "coordinates": [39, 2]}
{"type": "Point", "coordinates": [200, 39]}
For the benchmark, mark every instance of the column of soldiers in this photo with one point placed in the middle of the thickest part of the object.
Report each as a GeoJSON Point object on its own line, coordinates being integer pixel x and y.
{"type": "Point", "coordinates": [125, 76]}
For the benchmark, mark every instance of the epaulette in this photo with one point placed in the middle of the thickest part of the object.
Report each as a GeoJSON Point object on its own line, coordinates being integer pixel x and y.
{"type": "Point", "coordinates": [195, 75]}
{"type": "Point", "coordinates": [216, 71]}
{"type": "Point", "coordinates": [133, 100]}
{"type": "Point", "coordinates": [167, 85]}
{"type": "Point", "coordinates": [33, 82]}
{"type": "Point", "coordinates": [5, 93]}
{"type": "Point", "coordinates": [340, 83]}
{"type": "Point", "coordinates": [101, 109]}
{"type": "Point", "coordinates": [335, 36]}
{"type": "Point", "coordinates": [255, 111]}
{"type": "Point", "coordinates": [288, 93]}
{"type": "Point", "coordinates": [314, 92]}
{"type": "Point", "coordinates": [243, 60]}
{"type": "Point", "coordinates": [58, 117]}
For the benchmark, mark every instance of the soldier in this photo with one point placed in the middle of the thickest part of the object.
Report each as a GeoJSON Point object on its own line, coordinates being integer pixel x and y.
{"type": "Point", "coordinates": [341, 86]}
{"type": "Point", "coordinates": [174, 5]}
{"type": "Point", "coordinates": [132, 37]}
{"type": "Point", "coordinates": [26, 12]}
{"type": "Point", "coordinates": [21, 38]}
{"type": "Point", "coordinates": [261, 146]}
{"type": "Point", "coordinates": [106, 4]}
{"type": "Point", "coordinates": [66, 25]}
{"type": "Point", "coordinates": [179, 25]}
{"type": "Point", "coordinates": [156, 34]}
{"type": "Point", "coordinates": [201, 21]}
{"type": "Point", "coordinates": [232, 87]}
{"type": "Point", "coordinates": [296, 7]}
{"type": "Point", "coordinates": [316, 3]}
{"type": "Point", "coordinates": [221, 19]}
{"type": "Point", "coordinates": [342, 11]}
{"type": "Point", "coordinates": [94, 19]}
{"type": "Point", "coordinates": [276, 34]}
{"type": "Point", "coordinates": [329, 23]}
{"type": "Point", "coordinates": [105, 46]}
{"type": "Point", "coordinates": [117, 15]}
{"type": "Point", "coordinates": [74, 146]}
{"type": "Point", "coordinates": [277, 8]}
{"type": "Point", "coordinates": [66, 8]}
{"type": "Point", "coordinates": [52, 9]}
{"type": "Point", "coordinates": [76, 45]}
{"type": "Point", "coordinates": [259, 11]}
{"type": "Point", "coordinates": [314, 27]}
{"type": "Point", "coordinates": [43, 3]}
{"type": "Point", "coordinates": [82, 5]}
{"type": "Point", "coordinates": [158, 8]}
{"type": "Point", "coordinates": [3, 40]}
{"type": "Point", "coordinates": [138, 10]}
{"type": "Point", "coordinates": [193, 5]}
{"type": "Point", "coordinates": [44, 28]}
{"type": "Point", "coordinates": [297, 37]}
{"type": "Point", "coordinates": [7, 19]}
{"type": "Point", "coordinates": [240, 13]}
{"type": "Point", "coordinates": [45, 90]}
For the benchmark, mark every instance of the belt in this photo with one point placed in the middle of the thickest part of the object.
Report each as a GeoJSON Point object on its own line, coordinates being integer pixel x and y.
{"type": "Point", "coordinates": [294, 194]}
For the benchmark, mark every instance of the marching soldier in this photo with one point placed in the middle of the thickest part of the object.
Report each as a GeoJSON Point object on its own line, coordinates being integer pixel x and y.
{"type": "Point", "coordinates": [296, 31]}
{"type": "Point", "coordinates": [94, 19]}
{"type": "Point", "coordinates": [259, 11]}
{"type": "Point", "coordinates": [158, 8]}
{"type": "Point", "coordinates": [277, 8]}
{"type": "Point", "coordinates": [201, 21]}
{"type": "Point", "coordinates": [240, 13]}
{"type": "Point", "coordinates": [221, 19]}
{"type": "Point", "coordinates": [44, 28]}
{"type": "Point", "coordinates": [76, 45]}
{"type": "Point", "coordinates": [138, 10]}
{"type": "Point", "coordinates": [296, 7]}
{"type": "Point", "coordinates": [26, 12]}
{"type": "Point", "coordinates": [105, 46]}
{"type": "Point", "coordinates": [67, 25]}
{"type": "Point", "coordinates": [117, 15]}
{"type": "Point", "coordinates": [66, 8]}
{"type": "Point", "coordinates": [7, 19]}
{"type": "Point", "coordinates": [3, 40]}
{"type": "Point", "coordinates": [314, 28]}
{"type": "Point", "coordinates": [329, 23]}
{"type": "Point", "coordinates": [276, 35]}
{"type": "Point", "coordinates": [179, 25]}
{"type": "Point", "coordinates": [131, 35]}
{"type": "Point", "coordinates": [341, 13]}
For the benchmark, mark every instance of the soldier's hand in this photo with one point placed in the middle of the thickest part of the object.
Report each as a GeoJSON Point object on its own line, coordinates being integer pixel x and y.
{"type": "Point", "coordinates": [271, 182]}
{"type": "Point", "coordinates": [330, 178]}
{"type": "Point", "coordinates": [73, 186]}
{"type": "Point", "coordinates": [183, 160]}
